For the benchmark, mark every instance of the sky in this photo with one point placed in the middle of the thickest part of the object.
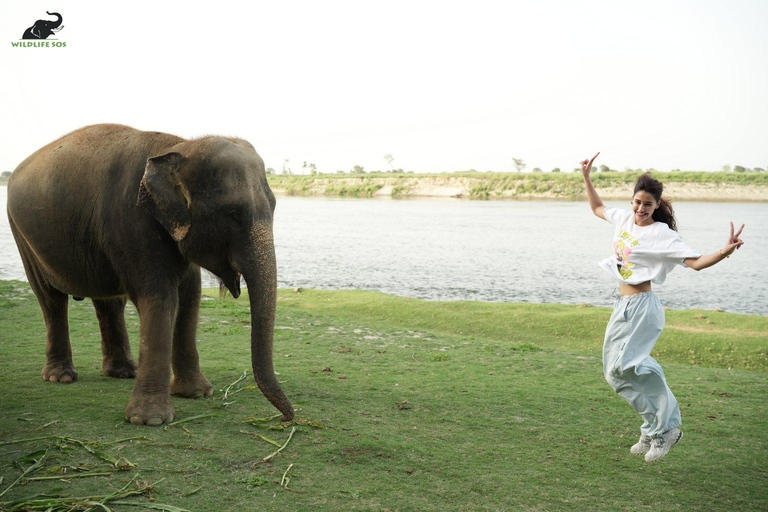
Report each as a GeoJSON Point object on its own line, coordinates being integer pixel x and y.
{"type": "Point", "coordinates": [441, 86]}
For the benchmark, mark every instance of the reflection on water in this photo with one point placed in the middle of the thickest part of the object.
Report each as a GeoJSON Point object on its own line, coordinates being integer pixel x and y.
{"type": "Point", "coordinates": [538, 251]}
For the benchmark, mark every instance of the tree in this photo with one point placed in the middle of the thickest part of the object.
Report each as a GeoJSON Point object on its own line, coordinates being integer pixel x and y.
{"type": "Point", "coordinates": [556, 169]}
{"type": "Point", "coordinates": [726, 168]}
{"type": "Point", "coordinates": [312, 167]}
{"type": "Point", "coordinates": [519, 164]}
{"type": "Point", "coordinates": [738, 168]}
{"type": "Point", "coordinates": [6, 174]}
{"type": "Point", "coordinates": [537, 169]}
{"type": "Point", "coordinates": [756, 169]}
{"type": "Point", "coordinates": [270, 170]}
{"type": "Point", "coordinates": [358, 169]}
{"type": "Point", "coordinates": [286, 167]}
{"type": "Point", "coordinates": [389, 158]}
{"type": "Point", "coordinates": [604, 168]}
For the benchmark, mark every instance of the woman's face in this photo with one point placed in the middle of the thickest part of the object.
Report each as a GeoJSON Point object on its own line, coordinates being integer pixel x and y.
{"type": "Point", "coordinates": [644, 204]}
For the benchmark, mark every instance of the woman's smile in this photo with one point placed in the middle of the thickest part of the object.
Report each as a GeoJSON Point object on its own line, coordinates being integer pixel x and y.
{"type": "Point", "coordinates": [643, 204]}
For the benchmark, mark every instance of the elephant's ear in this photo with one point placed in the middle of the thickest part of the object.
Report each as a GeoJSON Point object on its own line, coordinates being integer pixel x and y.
{"type": "Point", "coordinates": [165, 196]}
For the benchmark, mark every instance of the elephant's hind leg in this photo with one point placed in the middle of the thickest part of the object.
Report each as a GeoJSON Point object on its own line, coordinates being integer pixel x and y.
{"type": "Point", "coordinates": [54, 305]}
{"type": "Point", "coordinates": [115, 348]}
{"type": "Point", "coordinates": [59, 366]}
{"type": "Point", "coordinates": [188, 381]}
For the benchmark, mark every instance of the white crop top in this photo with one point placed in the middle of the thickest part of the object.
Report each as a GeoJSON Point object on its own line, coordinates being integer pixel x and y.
{"type": "Point", "coordinates": [643, 253]}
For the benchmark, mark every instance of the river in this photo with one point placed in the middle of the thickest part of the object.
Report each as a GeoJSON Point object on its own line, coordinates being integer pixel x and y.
{"type": "Point", "coordinates": [517, 251]}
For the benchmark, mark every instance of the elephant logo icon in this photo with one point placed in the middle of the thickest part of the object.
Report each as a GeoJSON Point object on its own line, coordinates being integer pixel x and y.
{"type": "Point", "coordinates": [44, 28]}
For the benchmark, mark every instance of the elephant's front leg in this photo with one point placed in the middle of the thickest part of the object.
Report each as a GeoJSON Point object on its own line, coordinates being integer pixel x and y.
{"type": "Point", "coordinates": [188, 381]}
{"type": "Point", "coordinates": [150, 402]}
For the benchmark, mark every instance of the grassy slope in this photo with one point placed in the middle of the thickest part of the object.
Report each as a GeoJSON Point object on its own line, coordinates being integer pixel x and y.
{"type": "Point", "coordinates": [443, 406]}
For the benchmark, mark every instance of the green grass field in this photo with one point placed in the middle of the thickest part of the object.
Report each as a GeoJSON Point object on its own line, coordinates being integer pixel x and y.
{"type": "Point", "coordinates": [401, 405]}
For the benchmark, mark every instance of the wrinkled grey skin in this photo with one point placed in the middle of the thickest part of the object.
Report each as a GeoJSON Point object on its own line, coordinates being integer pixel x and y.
{"type": "Point", "coordinates": [113, 213]}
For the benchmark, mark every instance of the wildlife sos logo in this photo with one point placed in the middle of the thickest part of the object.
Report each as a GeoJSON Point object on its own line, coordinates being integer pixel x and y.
{"type": "Point", "coordinates": [36, 36]}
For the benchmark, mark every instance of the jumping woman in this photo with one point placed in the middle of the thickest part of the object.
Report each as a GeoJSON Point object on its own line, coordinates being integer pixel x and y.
{"type": "Point", "coordinates": [646, 247]}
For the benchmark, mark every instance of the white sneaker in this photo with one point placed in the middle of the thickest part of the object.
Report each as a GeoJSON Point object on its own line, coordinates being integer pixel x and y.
{"type": "Point", "coordinates": [661, 445]}
{"type": "Point", "coordinates": [642, 446]}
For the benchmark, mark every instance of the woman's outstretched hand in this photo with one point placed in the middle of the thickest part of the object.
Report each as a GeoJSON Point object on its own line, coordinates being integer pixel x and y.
{"type": "Point", "coordinates": [734, 242]}
{"type": "Point", "coordinates": [586, 165]}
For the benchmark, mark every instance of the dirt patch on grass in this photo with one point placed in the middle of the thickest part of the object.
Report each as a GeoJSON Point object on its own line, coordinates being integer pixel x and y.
{"type": "Point", "coordinates": [691, 328]}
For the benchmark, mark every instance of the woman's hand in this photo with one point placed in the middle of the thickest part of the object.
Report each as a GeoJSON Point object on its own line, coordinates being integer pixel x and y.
{"type": "Point", "coordinates": [734, 242]}
{"type": "Point", "coordinates": [706, 261]}
{"type": "Point", "coordinates": [586, 165]}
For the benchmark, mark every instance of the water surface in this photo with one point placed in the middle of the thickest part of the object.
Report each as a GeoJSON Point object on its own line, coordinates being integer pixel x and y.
{"type": "Point", "coordinates": [531, 251]}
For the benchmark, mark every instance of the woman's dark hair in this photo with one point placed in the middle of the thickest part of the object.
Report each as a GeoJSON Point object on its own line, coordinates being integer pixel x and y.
{"type": "Point", "coordinates": [664, 213]}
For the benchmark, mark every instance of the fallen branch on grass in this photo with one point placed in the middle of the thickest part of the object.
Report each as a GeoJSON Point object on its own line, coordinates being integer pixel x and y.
{"type": "Point", "coordinates": [67, 477]}
{"type": "Point", "coordinates": [263, 438]}
{"type": "Point", "coordinates": [47, 425]}
{"type": "Point", "coordinates": [121, 463]}
{"type": "Point", "coordinates": [262, 420]}
{"type": "Point", "coordinates": [67, 438]}
{"type": "Point", "coordinates": [285, 480]}
{"type": "Point", "coordinates": [191, 418]}
{"type": "Point", "coordinates": [272, 455]}
{"type": "Point", "coordinates": [195, 491]}
{"type": "Point", "coordinates": [28, 440]}
{"type": "Point", "coordinates": [180, 446]}
{"type": "Point", "coordinates": [226, 391]}
{"type": "Point", "coordinates": [68, 503]}
{"type": "Point", "coordinates": [34, 467]}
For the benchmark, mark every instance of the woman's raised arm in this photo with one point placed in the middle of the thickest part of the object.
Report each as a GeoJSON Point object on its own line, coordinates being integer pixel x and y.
{"type": "Point", "coordinates": [594, 200]}
{"type": "Point", "coordinates": [707, 260]}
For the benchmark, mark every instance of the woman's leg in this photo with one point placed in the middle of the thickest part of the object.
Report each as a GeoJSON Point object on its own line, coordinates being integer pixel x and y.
{"type": "Point", "coordinates": [635, 325]}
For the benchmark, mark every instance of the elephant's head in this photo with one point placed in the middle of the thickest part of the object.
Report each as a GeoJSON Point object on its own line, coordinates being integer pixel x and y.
{"type": "Point", "coordinates": [211, 195]}
{"type": "Point", "coordinates": [44, 28]}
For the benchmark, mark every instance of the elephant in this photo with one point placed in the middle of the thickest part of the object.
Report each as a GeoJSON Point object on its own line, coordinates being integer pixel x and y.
{"type": "Point", "coordinates": [43, 28]}
{"type": "Point", "coordinates": [113, 213]}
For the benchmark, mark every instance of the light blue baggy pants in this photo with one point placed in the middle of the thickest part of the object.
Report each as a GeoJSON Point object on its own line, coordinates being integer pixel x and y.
{"type": "Point", "coordinates": [635, 325]}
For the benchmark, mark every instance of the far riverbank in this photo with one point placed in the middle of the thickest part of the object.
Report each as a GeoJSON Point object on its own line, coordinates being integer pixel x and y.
{"type": "Point", "coordinates": [679, 185]}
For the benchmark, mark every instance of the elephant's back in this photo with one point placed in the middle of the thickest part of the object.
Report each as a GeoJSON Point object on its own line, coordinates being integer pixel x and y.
{"type": "Point", "coordinates": [90, 164]}
{"type": "Point", "coordinates": [67, 198]}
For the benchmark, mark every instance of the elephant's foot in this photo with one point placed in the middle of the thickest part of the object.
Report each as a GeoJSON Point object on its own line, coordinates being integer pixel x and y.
{"type": "Point", "coordinates": [145, 409]}
{"type": "Point", "coordinates": [60, 372]}
{"type": "Point", "coordinates": [191, 386]}
{"type": "Point", "coordinates": [120, 369]}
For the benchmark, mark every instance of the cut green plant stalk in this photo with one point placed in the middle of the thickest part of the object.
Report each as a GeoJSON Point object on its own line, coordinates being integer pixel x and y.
{"type": "Point", "coordinates": [31, 469]}
{"type": "Point", "coordinates": [273, 454]}
{"type": "Point", "coordinates": [285, 480]}
{"type": "Point", "coordinates": [262, 437]}
{"type": "Point", "coordinates": [93, 502]}
{"type": "Point", "coordinates": [191, 418]}
{"type": "Point", "coordinates": [226, 391]}
{"type": "Point", "coordinates": [67, 477]}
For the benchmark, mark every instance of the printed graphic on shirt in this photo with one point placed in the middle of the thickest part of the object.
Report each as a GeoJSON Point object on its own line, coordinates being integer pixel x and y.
{"type": "Point", "coordinates": [623, 248]}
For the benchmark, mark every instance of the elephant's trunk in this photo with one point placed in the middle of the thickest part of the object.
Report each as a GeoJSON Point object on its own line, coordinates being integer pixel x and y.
{"type": "Point", "coordinates": [260, 273]}
{"type": "Point", "coordinates": [58, 21]}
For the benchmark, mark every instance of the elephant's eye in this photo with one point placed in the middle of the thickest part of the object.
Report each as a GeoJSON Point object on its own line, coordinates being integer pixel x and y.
{"type": "Point", "coordinates": [234, 218]}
